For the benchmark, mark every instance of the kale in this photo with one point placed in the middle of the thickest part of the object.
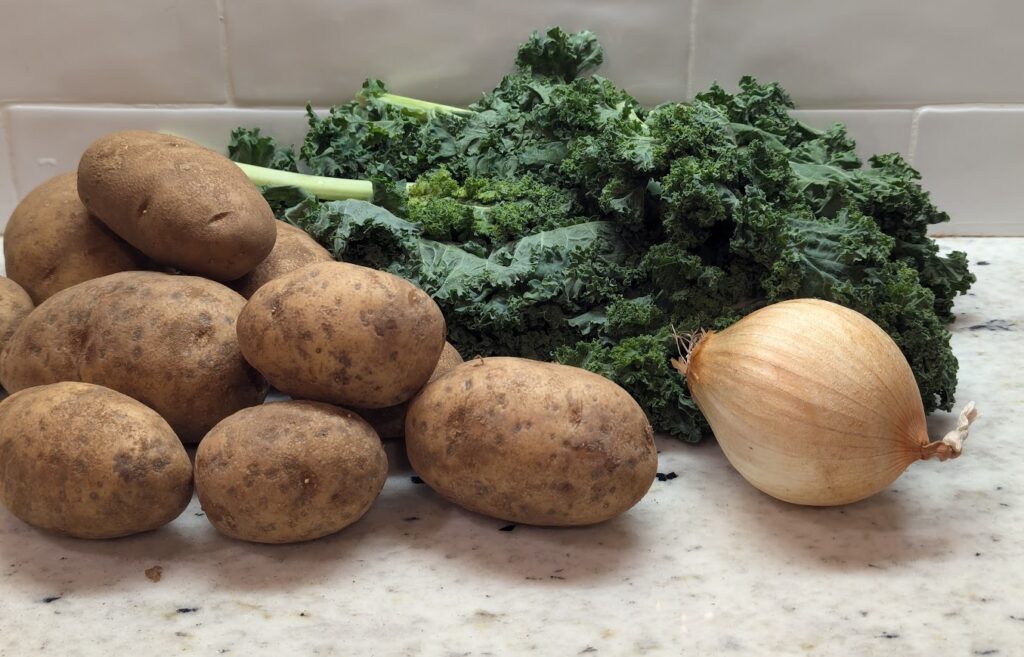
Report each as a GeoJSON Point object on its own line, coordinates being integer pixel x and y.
{"type": "Point", "coordinates": [559, 54]}
{"type": "Point", "coordinates": [490, 210]}
{"type": "Point", "coordinates": [557, 218]}
{"type": "Point", "coordinates": [522, 126]}
{"type": "Point", "coordinates": [372, 137]}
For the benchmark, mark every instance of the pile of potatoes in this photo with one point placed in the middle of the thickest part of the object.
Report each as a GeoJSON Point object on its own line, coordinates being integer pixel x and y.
{"type": "Point", "coordinates": [152, 300]}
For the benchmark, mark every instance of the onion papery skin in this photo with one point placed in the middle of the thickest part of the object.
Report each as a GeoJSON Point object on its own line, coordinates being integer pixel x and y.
{"type": "Point", "coordinates": [811, 402]}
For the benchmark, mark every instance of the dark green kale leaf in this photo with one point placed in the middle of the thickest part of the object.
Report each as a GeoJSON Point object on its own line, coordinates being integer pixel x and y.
{"type": "Point", "coordinates": [363, 233]}
{"type": "Point", "coordinates": [526, 124]}
{"type": "Point", "coordinates": [248, 146]}
{"type": "Point", "coordinates": [372, 138]}
{"type": "Point", "coordinates": [889, 192]}
{"type": "Point", "coordinates": [560, 54]}
{"type": "Point", "coordinates": [758, 110]}
{"type": "Point", "coordinates": [521, 126]}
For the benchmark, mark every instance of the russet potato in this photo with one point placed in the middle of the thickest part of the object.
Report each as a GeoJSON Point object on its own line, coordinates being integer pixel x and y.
{"type": "Point", "coordinates": [531, 442]}
{"type": "Point", "coordinates": [15, 306]}
{"type": "Point", "coordinates": [86, 461]}
{"type": "Point", "coordinates": [52, 242]}
{"type": "Point", "coordinates": [289, 471]}
{"type": "Point", "coordinates": [343, 334]}
{"type": "Point", "coordinates": [181, 204]}
{"type": "Point", "coordinates": [167, 341]}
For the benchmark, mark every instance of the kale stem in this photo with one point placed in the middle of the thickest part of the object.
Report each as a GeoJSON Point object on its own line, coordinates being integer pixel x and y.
{"type": "Point", "coordinates": [422, 105]}
{"type": "Point", "coordinates": [329, 189]}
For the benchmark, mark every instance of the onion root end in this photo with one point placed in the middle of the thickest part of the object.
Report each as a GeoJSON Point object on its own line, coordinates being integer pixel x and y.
{"type": "Point", "coordinates": [952, 444]}
{"type": "Point", "coordinates": [686, 345]}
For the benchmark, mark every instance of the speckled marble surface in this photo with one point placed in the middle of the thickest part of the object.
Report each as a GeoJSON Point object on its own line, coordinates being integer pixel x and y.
{"type": "Point", "coordinates": [703, 565]}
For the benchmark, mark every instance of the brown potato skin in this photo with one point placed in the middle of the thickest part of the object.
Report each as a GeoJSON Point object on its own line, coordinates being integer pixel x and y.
{"type": "Point", "coordinates": [293, 250]}
{"type": "Point", "coordinates": [390, 422]}
{"type": "Point", "coordinates": [86, 461]}
{"type": "Point", "coordinates": [15, 306]}
{"type": "Point", "coordinates": [167, 341]}
{"type": "Point", "coordinates": [343, 334]}
{"type": "Point", "coordinates": [181, 204]}
{"type": "Point", "coordinates": [289, 471]}
{"type": "Point", "coordinates": [52, 242]}
{"type": "Point", "coordinates": [531, 442]}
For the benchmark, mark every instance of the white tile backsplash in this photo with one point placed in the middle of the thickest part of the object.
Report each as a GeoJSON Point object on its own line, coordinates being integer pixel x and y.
{"type": "Point", "coordinates": [8, 197]}
{"type": "Point", "coordinates": [443, 50]}
{"type": "Point", "coordinates": [883, 53]}
{"type": "Point", "coordinates": [972, 161]}
{"type": "Point", "coordinates": [111, 51]}
{"type": "Point", "coordinates": [49, 140]}
{"type": "Point", "coordinates": [875, 131]}
{"type": "Point", "coordinates": [70, 72]}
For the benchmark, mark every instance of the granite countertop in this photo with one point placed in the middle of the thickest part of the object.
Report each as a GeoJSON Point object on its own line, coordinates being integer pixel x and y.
{"type": "Point", "coordinates": [705, 564]}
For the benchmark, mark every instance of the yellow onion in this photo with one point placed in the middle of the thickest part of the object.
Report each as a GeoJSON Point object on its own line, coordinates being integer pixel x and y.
{"type": "Point", "coordinates": [813, 403]}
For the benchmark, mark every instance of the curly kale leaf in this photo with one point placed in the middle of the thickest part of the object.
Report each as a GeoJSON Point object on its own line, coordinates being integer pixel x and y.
{"type": "Point", "coordinates": [372, 138]}
{"type": "Point", "coordinates": [889, 192]}
{"type": "Point", "coordinates": [491, 211]}
{"type": "Point", "coordinates": [847, 259]}
{"type": "Point", "coordinates": [560, 54]}
{"type": "Point", "coordinates": [526, 124]}
{"type": "Point", "coordinates": [758, 109]}
{"type": "Point", "coordinates": [522, 126]}
{"type": "Point", "coordinates": [248, 146]}
{"type": "Point", "coordinates": [357, 231]}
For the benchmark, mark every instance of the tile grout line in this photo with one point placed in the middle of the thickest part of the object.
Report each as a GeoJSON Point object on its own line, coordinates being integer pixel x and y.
{"type": "Point", "coordinates": [8, 135]}
{"type": "Point", "coordinates": [155, 107]}
{"type": "Point", "coordinates": [915, 125]}
{"type": "Point", "coordinates": [225, 55]}
{"type": "Point", "coordinates": [200, 104]}
{"type": "Point", "coordinates": [691, 54]}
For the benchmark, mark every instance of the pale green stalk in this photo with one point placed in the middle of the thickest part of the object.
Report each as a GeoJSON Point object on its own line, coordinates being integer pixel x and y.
{"type": "Point", "coordinates": [422, 105]}
{"type": "Point", "coordinates": [328, 189]}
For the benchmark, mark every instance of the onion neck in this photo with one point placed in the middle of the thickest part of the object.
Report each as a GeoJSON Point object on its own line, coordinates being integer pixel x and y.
{"type": "Point", "coordinates": [952, 444]}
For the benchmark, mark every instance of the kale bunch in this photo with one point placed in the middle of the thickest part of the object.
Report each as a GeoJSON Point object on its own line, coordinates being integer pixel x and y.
{"type": "Point", "coordinates": [558, 218]}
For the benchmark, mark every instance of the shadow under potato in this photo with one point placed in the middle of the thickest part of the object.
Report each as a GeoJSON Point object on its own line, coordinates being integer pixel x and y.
{"type": "Point", "coordinates": [406, 529]}
{"type": "Point", "coordinates": [412, 537]}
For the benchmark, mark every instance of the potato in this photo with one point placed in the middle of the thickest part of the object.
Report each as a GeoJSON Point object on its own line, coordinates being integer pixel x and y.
{"type": "Point", "coordinates": [289, 471]}
{"type": "Point", "coordinates": [168, 341]}
{"type": "Point", "coordinates": [531, 442]}
{"type": "Point", "coordinates": [15, 306]}
{"type": "Point", "coordinates": [390, 422]}
{"type": "Point", "coordinates": [181, 204]}
{"type": "Point", "coordinates": [293, 250]}
{"type": "Point", "coordinates": [83, 460]}
{"type": "Point", "coordinates": [52, 242]}
{"type": "Point", "coordinates": [343, 334]}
